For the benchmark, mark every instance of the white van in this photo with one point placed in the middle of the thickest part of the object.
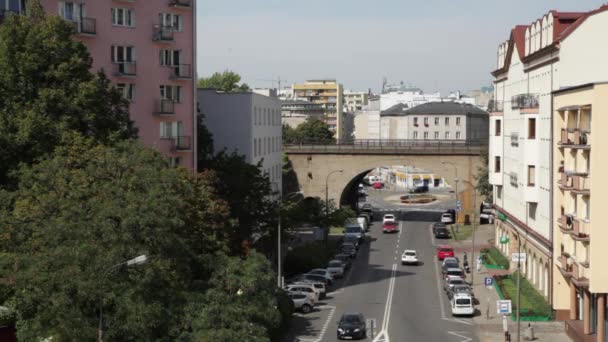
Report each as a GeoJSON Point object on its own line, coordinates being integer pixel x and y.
{"type": "Point", "coordinates": [462, 305]}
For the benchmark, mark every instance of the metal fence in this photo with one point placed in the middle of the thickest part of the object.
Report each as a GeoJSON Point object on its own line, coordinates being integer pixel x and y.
{"type": "Point", "coordinates": [389, 146]}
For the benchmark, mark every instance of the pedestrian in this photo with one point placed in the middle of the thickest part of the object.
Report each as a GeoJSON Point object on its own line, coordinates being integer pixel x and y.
{"type": "Point", "coordinates": [478, 266]}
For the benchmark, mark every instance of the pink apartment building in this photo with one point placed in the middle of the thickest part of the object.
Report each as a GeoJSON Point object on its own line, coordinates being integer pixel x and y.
{"type": "Point", "coordinates": [147, 48]}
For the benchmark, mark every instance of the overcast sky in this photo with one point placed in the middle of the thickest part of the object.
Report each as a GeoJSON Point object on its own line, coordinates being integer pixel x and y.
{"type": "Point", "coordinates": [433, 44]}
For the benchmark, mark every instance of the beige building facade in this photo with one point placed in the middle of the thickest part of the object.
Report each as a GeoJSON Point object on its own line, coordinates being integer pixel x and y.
{"type": "Point", "coordinates": [580, 280]}
{"type": "Point", "coordinates": [329, 94]}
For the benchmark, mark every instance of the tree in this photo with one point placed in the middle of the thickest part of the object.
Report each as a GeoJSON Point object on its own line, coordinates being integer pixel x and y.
{"type": "Point", "coordinates": [482, 177]}
{"type": "Point", "coordinates": [48, 90]}
{"type": "Point", "coordinates": [90, 207]}
{"type": "Point", "coordinates": [289, 135]}
{"type": "Point", "coordinates": [312, 130]}
{"type": "Point", "coordinates": [227, 81]}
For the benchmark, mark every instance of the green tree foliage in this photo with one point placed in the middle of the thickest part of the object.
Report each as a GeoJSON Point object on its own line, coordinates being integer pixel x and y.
{"type": "Point", "coordinates": [482, 177]}
{"type": "Point", "coordinates": [241, 304]}
{"type": "Point", "coordinates": [90, 207]}
{"type": "Point", "coordinates": [312, 130]}
{"type": "Point", "coordinates": [47, 90]}
{"type": "Point", "coordinates": [227, 81]}
{"type": "Point", "coordinates": [289, 177]}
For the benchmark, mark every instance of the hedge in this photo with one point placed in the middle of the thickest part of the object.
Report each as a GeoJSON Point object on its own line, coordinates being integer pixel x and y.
{"type": "Point", "coordinates": [309, 256]}
{"type": "Point", "coordinates": [493, 257]}
{"type": "Point", "coordinates": [533, 304]}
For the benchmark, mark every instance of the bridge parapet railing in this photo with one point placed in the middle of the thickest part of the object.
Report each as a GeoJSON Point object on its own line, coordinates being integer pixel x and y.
{"type": "Point", "coordinates": [387, 146]}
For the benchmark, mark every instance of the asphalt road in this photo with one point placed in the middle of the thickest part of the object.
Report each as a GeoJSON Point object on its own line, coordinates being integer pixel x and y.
{"type": "Point", "coordinates": [407, 303]}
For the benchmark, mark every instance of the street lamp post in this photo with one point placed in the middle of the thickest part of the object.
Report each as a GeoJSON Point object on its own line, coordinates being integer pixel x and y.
{"type": "Point", "coordinates": [132, 262]}
{"type": "Point", "coordinates": [279, 256]}
{"type": "Point", "coordinates": [327, 203]}
{"type": "Point", "coordinates": [474, 224]}
{"type": "Point", "coordinates": [455, 181]}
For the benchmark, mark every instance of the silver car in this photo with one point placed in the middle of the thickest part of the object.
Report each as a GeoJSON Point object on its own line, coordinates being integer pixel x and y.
{"type": "Point", "coordinates": [452, 281]}
{"type": "Point", "coordinates": [336, 268]}
{"type": "Point", "coordinates": [301, 301]}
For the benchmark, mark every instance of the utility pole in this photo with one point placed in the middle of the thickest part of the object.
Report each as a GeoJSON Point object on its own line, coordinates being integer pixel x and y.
{"type": "Point", "coordinates": [474, 223]}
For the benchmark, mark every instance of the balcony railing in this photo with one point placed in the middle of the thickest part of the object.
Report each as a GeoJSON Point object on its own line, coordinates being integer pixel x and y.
{"type": "Point", "coordinates": [574, 137]}
{"type": "Point", "coordinates": [566, 224]}
{"type": "Point", "coordinates": [181, 71]}
{"type": "Point", "coordinates": [86, 26]}
{"type": "Point", "coordinates": [165, 107]}
{"type": "Point", "coordinates": [581, 230]}
{"type": "Point", "coordinates": [163, 33]}
{"type": "Point", "coordinates": [180, 3]}
{"type": "Point", "coordinates": [127, 68]}
{"type": "Point", "coordinates": [581, 184]}
{"type": "Point", "coordinates": [495, 106]}
{"type": "Point", "coordinates": [183, 143]}
{"type": "Point", "coordinates": [524, 101]}
{"type": "Point", "coordinates": [579, 275]}
{"type": "Point", "coordinates": [565, 265]}
{"type": "Point", "coordinates": [565, 183]}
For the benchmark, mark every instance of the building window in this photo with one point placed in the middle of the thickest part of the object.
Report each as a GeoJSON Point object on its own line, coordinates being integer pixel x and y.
{"type": "Point", "coordinates": [122, 53]}
{"type": "Point", "coordinates": [415, 135]}
{"type": "Point", "coordinates": [415, 121]}
{"type": "Point", "coordinates": [170, 129]}
{"type": "Point", "coordinates": [447, 121]}
{"type": "Point", "coordinates": [499, 192]}
{"type": "Point", "coordinates": [255, 147]}
{"type": "Point", "coordinates": [497, 128]}
{"type": "Point", "coordinates": [16, 6]}
{"type": "Point", "coordinates": [532, 210]}
{"type": "Point", "coordinates": [71, 11]}
{"type": "Point", "coordinates": [457, 121]}
{"type": "Point", "coordinates": [171, 92]}
{"type": "Point", "coordinates": [171, 20]}
{"type": "Point", "coordinates": [426, 122]}
{"type": "Point", "coordinates": [123, 17]}
{"type": "Point", "coordinates": [436, 121]}
{"type": "Point", "coordinates": [513, 179]}
{"type": "Point", "coordinates": [531, 128]}
{"type": "Point", "coordinates": [170, 57]}
{"type": "Point", "coordinates": [531, 175]}
{"type": "Point", "coordinates": [497, 164]}
{"type": "Point", "coordinates": [436, 135]}
{"type": "Point", "coordinates": [176, 161]}
{"type": "Point", "coordinates": [447, 135]}
{"type": "Point", "coordinates": [457, 135]}
{"type": "Point", "coordinates": [426, 135]}
{"type": "Point", "coordinates": [127, 90]}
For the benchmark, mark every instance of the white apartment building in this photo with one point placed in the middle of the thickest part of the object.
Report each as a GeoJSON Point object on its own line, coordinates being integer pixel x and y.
{"type": "Point", "coordinates": [415, 97]}
{"type": "Point", "coordinates": [555, 51]}
{"type": "Point", "coordinates": [355, 101]}
{"type": "Point", "coordinates": [247, 123]}
{"type": "Point", "coordinates": [367, 122]}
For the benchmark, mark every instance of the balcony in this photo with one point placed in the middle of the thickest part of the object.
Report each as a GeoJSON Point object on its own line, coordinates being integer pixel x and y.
{"type": "Point", "coordinates": [162, 33]}
{"type": "Point", "coordinates": [581, 230]}
{"type": "Point", "coordinates": [165, 108]}
{"type": "Point", "coordinates": [495, 106]}
{"type": "Point", "coordinates": [565, 265]}
{"type": "Point", "coordinates": [86, 26]}
{"type": "Point", "coordinates": [515, 139]}
{"type": "Point", "coordinates": [566, 224]}
{"type": "Point", "coordinates": [125, 69]}
{"type": "Point", "coordinates": [565, 183]}
{"type": "Point", "coordinates": [581, 184]}
{"type": "Point", "coordinates": [181, 71]}
{"type": "Point", "coordinates": [528, 103]}
{"type": "Point", "coordinates": [579, 276]}
{"type": "Point", "coordinates": [575, 138]}
{"type": "Point", "coordinates": [180, 3]}
{"type": "Point", "coordinates": [183, 143]}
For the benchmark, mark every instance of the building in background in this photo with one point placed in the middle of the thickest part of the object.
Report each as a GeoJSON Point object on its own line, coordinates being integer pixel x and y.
{"type": "Point", "coordinates": [329, 94]}
{"type": "Point", "coordinates": [448, 121]}
{"type": "Point", "coordinates": [247, 123]}
{"type": "Point", "coordinates": [560, 49]}
{"type": "Point", "coordinates": [367, 121]}
{"type": "Point", "coordinates": [296, 112]}
{"type": "Point", "coordinates": [147, 49]}
{"type": "Point", "coordinates": [355, 101]}
{"type": "Point", "coordinates": [581, 281]}
{"type": "Point", "coordinates": [270, 92]}
{"type": "Point", "coordinates": [409, 177]}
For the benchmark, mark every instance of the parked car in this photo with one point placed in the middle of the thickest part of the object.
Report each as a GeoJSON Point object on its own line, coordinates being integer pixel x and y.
{"type": "Point", "coordinates": [437, 225]}
{"type": "Point", "coordinates": [354, 230]}
{"type": "Point", "coordinates": [363, 222]}
{"type": "Point", "coordinates": [368, 218]}
{"type": "Point", "coordinates": [367, 208]}
{"type": "Point", "coordinates": [453, 259]}
{"type": "Point", "coordinates": [316, 277]}
{"type": "Point", "coordinates": [462, 305]}
{"type": "Point", "coordinates": [345, 258]}
{"type": "Point", "coordinates": [322, 271]}
{"type": "Point", "coordinates": [349, 250]}
{"type": "Point", "coordinates": [446, 265]}
{"type": "Point", "coordinates": [444, 251]}
{"type": "Point", "coordinates": [301, 301]}
{"type": "Point", "coordinates": [351, 241]}
{"type": "Point", "coordinates": [308, 289]}
{"type": "Point", "coordinates": [441, 233]}
{"type": "Point", "coordinates": [454, 272]}
{"type": "Point", "coordinates": [409, 257]}
{"type": "Point", "coordinates": [317, 285]}
{"type": "Point", "coordinates": [336, 268]}
{"type": "Point", "coordinates": [446, 218]}
{"type": "Point", "coordinates": [389, 227]}
{"type": "Point", "coordinates": [351, 325]}
{"type": "Point", "coordinates": [460, 289]}
{"type": "Point", "coordinates": [419, 189]}
{"type": "Point", "coordinates": [486, 218]}
{"type": "Point", "coordinates": [452, 281]}
{"type": "Point", "coordinates": [389, 217]}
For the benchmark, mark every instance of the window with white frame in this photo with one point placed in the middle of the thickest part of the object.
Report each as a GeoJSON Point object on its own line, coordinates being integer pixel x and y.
{"type": "Point", "coordinates": [169, 57]}
{"type": "Point", "coordinates": [457, 121]}
{"type": "Point", "coordinates": [17, 6]}
{"type": "Point", "coordinates": [415, 135]}
{"type": "Point", "coordinates": [122, 53]}
{"type": "Point", "coordinates": [127, 90]}
{"type": "Point", "coordinates": [436, 121]}
{"type": "Point", "coordinates": [123, 17]}
{"type": "Point", "coordinates": [457, 135]}
{"type": "Point", "coordinates": [447, 121]}
{"type": "Point", "coordinates": [171, 92]}
{"type": "Point", "coordinates": [71, 11]}
{"type": "Point", "coordinates": [447, 135]}
{"type": "Point", "coordinates": [171, 20]}
{"type": "Point", "coordinates": [170, 129]}
{"type": "Point", "coordinates": [436, 135]}
{"type": "Point", "coordinates": [426, 135]}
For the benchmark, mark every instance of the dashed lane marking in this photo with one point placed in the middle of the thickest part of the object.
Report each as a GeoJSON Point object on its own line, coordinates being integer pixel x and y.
{"type": "Point", "coordinates": [458, 334]}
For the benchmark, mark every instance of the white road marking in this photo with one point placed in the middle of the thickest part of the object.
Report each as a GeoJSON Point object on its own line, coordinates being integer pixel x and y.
{"type": "Point", "coordinates": [389, 299]}
{"type": "Point", "coordinates": [464, 338]}
{"type": "Point", "coordinates": [325, 325]}
{"type": "Point", "coordinates": [439, 292]}
{"type": "Point", "coordinates": [382, 337]}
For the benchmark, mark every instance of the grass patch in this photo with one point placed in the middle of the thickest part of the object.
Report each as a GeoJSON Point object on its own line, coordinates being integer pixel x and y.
{"type": "Point", "coordinates": [492, 256]}
{"type": "Point", "coordinates": [532, 302]}
{"type": "Point", "coordinates": [309, 256]}
{"type": "Point", "coordinates": [464, 232]}
{"type": "Point", "coordinates": [336, 231]}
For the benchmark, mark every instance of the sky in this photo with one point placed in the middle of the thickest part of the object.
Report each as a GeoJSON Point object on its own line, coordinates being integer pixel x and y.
{"type": "Point", "coordinates": [436, 45]}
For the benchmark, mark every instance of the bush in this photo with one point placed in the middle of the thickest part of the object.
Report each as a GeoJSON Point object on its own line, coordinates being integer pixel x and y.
{"type": "Point", "coordinates": [493, 256]}
{"type": "Point", "coordinates": [309, 256]}
{"type": "Point", "coordinates": [532, 302]}
{"type": "Point", "coordinates": [286, 308]}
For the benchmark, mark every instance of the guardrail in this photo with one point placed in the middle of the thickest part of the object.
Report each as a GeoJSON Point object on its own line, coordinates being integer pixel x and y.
{"type": "Point", "coordinates": [390, 146]}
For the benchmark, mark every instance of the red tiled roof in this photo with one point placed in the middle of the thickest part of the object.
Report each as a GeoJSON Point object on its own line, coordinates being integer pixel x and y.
{"type": "Point", "coordinates": [581, 19]}
{"type": "Point", "coordinates": [518, 35]}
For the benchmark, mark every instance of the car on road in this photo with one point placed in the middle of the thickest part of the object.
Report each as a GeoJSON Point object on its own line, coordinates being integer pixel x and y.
{"type": "Point", "coordinates": [349, 250]}
{"type": "Point", "coordinates": [336, 268]}
{"type": "Point", "coordinates": [437, 225]}
{"type": "Point", "coordinates": [301, 301]}
{"type": "Point", "coordinates": [462, 305]}
{"type": "Point", "coordinates": [446, 218]}
{"type": "Point", "coordinates": [389, 217]}
{"type": "Point", "coordinates": [444, 251]}
{"type": "Point", "coordinates": [454, 271]}
{"type": "Point", "coordinates": [351, 325]}
{"type": "Point", "coordinates": [345, 258]}
{"type": "Point", "coordinates": [409, 257]}
{"type": "Point", "coordinates": [389, 227]}
{"type": "Point", "coordinates": [442, 233]}
{"type": "Point", "coordinates": [367, 208]}
{"type": "Point", "coordinates": [308, 289]}
{"type": "Point", "coordinates": [460, 289]}
{"type": "Point", "coordinates": [452, 281]}
{"type": "Point", "coordinates": [377, 185]}
{"type": "Point", "coordinates": [419, 189]}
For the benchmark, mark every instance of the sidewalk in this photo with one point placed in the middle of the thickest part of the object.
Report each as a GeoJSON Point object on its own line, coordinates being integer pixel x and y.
{"type": "Point", "coordinates": [488, 323]}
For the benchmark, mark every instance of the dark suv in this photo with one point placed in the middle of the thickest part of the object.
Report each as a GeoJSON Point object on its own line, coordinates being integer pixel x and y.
{"type": "Point", "coordinates": [351, 325]}
{"type": "Point", "coordinates": [420, 189]}
{"type": "Point", "coordinates": [441, 233]}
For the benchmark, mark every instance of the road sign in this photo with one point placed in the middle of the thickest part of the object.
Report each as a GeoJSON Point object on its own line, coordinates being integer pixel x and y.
{"type": "Point", "coordinates": [518, 257]}
{"type": "Point", "coordinates": [458, 206]}
{"type": "Point", "coordinates": [489, 281]}
{"type": "Point", "coordinates": [370, 325]}
{"type": "Point", "coordinates": [503, 307]}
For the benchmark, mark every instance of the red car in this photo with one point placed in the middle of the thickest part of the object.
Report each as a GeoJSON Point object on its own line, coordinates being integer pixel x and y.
{"type": "Point", "coordinates": [377, 185]}
{"type": "Point", "coordinates": [389, 227]}
{"type": "Point", "coordinates": [444, 251]}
